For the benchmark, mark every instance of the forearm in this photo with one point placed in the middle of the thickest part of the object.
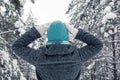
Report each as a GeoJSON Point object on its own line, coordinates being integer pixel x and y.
{"type": "Point", "coordinates": [88, 38]}
{"type": "Point", "coordinates": [20, 46]}
{"type": "Point", "coordinates": [94, 45]}
{"type": "Point", "coordinates": [27, 38]}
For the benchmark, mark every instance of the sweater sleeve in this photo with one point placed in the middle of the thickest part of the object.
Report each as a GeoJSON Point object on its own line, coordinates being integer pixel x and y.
{"type": "Point", "coordinates": [94, 45]}
{"type": "Point", "coordinates": [20, 46]}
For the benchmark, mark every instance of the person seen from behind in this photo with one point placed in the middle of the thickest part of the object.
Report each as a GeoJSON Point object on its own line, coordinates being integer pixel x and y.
{"type": "Point", "coordinates": [59, 59]}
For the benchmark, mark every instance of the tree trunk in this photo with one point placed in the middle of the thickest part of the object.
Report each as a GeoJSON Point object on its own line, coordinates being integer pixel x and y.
{"type": "Point", "coordinates": [114, 59]}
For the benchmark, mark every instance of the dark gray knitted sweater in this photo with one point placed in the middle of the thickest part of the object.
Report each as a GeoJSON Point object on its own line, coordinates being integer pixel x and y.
{"type": "Point", "coordinates": [57, 61]}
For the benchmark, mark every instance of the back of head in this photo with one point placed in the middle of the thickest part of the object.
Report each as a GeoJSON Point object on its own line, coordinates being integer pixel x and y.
{"type": "Point", "coordinates": [57, 32]}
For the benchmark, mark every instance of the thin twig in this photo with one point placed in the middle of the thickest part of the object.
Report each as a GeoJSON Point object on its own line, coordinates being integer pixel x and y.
{"type": "Point", "coordinates": [5, 32]}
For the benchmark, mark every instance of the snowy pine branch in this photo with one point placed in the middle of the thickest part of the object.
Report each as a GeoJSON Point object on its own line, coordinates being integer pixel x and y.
{"type": "Point", "coordinates": [6, 32]}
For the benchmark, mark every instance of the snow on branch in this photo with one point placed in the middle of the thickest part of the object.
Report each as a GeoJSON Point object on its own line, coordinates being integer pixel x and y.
{"type": "Point", "coordinates": [110, 15]}
{"type": "Point", "coordinates": [6, 32]}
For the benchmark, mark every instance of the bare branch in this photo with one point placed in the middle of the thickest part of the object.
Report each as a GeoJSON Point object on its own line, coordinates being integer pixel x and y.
{"type": "Point", "coordinates": [6, 32]}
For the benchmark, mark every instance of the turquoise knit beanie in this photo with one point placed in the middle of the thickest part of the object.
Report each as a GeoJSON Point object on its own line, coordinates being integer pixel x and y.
{"type": "Point", "coordinates": [57, 32]}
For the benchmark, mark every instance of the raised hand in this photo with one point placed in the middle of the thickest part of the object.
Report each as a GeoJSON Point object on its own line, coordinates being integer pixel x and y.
{"type": "Point", "coordinates": [72, 31]}
{"type": "Point", "coordinates": [42, 29]}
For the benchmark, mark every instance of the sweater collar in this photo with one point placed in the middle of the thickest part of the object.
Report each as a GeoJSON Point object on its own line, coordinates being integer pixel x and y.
{"type": "Point", "coordinates": [58, 42]}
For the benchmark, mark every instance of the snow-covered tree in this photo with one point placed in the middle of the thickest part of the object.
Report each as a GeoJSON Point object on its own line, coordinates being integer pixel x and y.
{"type": "Point", "coordinates": [101, 18]}
{"type": "Point", "coordinates": [12, 27]}
{"type": "Point", "coordinates": [9, 69]}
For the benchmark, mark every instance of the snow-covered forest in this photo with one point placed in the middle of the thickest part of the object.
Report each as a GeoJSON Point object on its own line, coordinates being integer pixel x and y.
{"type": "Point", "coordinates": [99, 17]}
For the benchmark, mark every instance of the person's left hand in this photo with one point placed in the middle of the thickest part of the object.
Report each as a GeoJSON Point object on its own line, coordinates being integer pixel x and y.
{"type": "Point", "coordinates": [42, 29]}
{"type": "Point", "coordinates": [72, 31]}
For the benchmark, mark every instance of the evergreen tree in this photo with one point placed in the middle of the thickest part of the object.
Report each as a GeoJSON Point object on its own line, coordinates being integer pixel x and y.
{"type": "Point", "coordinates": [12, 27]}
{"type": "Point", "coordinates": [101, 18]}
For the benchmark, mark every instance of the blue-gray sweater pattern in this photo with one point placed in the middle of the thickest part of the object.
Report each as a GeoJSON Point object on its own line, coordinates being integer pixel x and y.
{"type": "Point", "coordinates": [57, 61]}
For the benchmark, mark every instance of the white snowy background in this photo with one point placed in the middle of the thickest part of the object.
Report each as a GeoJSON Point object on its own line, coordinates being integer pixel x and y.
{"type": "Point", "coordinates": [47, 10]}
